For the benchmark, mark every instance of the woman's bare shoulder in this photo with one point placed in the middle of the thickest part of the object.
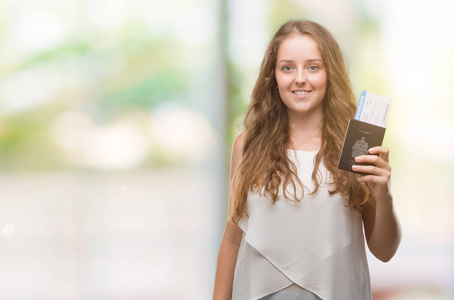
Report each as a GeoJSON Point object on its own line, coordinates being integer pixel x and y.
{"type": "Point", "coordinates": [239, 141]}
{"type": "Point", "coordinates": [237, 152]}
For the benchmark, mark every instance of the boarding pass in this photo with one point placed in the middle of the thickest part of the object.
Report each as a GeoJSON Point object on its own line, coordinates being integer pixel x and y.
{"type": "Point", "coordinates": [373, 109]}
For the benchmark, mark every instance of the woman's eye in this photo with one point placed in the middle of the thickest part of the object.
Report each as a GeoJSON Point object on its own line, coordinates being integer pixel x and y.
{"type": "Point", "coordinates": [313, 68]}
{"type": "Point", "coordinates": [286, 68]}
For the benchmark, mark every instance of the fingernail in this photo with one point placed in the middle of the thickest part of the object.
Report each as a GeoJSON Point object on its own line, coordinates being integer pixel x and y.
{"type": "Point", "coordinates": [372, 150]}
{"type": "Point", "coordinates": [358, 158]}
{"type": "Point", "coordinates": [354, 167]}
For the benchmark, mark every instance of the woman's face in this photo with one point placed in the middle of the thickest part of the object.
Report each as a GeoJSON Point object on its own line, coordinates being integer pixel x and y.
{"type": "Point", "coordinates": [301, 75]}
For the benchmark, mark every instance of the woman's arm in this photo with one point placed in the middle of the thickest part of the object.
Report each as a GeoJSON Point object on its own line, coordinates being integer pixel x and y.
{"type": "Point", "coordinates": [231, 239]}
{"type": "Point", "coordinates": [381, 224]}
{"type": "Point", "coordinates": [227, 257]}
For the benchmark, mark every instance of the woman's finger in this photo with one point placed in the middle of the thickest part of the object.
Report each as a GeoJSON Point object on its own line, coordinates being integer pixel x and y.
{"type": "Point", "coordinates": [374, 170]}
{"type": "Point", "coordinates": [373, 179]}
{"type": "Point", "coordinates": [382, 151]}
{"type": "Point", "coordinates": [373, 159]}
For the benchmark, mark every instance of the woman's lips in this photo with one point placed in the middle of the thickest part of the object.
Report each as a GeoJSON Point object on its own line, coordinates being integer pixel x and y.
{"type": "Point", "coordinates": [301, 94]}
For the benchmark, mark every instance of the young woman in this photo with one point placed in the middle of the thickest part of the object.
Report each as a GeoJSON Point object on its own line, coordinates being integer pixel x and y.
{"type": "Point", "coordinates": [295, 225]}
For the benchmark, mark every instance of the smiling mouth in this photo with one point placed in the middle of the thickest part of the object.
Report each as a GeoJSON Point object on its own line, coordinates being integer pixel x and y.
{"type": "Point", "coordinates": [301, 92]}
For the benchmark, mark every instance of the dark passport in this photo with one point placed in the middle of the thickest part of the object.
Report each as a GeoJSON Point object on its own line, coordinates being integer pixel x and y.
{"type": "Point", "coordinates": [360, 137]}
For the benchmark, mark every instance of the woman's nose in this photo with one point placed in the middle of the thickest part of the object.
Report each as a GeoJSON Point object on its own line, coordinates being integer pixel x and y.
{"type": "Point", "coordinates": [300, 77]}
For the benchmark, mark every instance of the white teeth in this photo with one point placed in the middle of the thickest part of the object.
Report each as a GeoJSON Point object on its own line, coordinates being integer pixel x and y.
{"type": "Point", "coordinates": [301, 92]}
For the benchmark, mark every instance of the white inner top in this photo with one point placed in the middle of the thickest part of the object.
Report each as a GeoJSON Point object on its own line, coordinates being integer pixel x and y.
{"type": "Point", "coordinates": [317, 243]}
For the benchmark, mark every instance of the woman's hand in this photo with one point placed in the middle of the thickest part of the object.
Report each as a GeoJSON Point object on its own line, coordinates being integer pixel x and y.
{"type": "Point", "coordinates": [381, 225]}
{"type": "Point", "coordinates": [379, 178]}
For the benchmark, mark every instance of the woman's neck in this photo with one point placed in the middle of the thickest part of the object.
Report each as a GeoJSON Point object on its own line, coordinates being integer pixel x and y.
{"type": "Point", "coordinates": [305, 131]}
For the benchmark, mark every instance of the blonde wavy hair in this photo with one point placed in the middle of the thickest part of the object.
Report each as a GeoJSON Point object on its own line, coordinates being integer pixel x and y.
{"type": "Point", "coordinates": [265, 163]}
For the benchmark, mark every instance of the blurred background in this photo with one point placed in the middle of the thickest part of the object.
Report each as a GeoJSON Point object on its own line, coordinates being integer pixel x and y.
{"type": "Point", "coordinates": [117, 120]}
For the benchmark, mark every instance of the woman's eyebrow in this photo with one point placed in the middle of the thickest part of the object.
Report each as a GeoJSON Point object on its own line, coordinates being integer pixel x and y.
{"type": "Point", "coordinates": [314, 59]}
{"type": "Point", "coordinates": [285, 61]}
{"type": "Point", "coordinates": [291, 61]}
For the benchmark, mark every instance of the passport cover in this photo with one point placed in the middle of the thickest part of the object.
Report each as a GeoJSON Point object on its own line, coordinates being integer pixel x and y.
{"type": "Point", "coordinates": [360, 137]}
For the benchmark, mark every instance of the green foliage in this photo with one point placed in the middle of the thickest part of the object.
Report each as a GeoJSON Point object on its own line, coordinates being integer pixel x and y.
{"type": "Point", "coordinates": [147, 93]}
{"type": "Point", "coordinates": [25, 143]}
{"type": "Point", "coordinates": [130, 72]}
